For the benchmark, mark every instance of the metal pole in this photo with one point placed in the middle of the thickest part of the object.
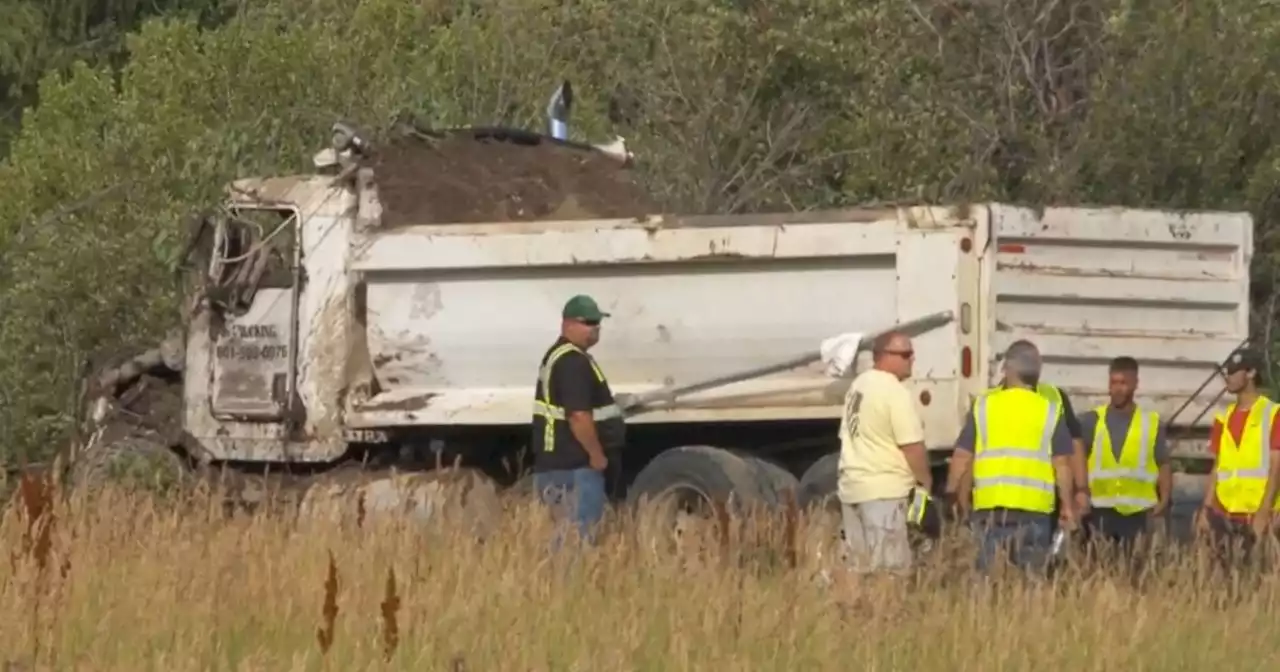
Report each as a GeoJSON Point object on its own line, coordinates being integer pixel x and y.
{"type": "Point", "coordinates": [669, 394]}
{"type": "Point", "coordinates": [1203, 385]}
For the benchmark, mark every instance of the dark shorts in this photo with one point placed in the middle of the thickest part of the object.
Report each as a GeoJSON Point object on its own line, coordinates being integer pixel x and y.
{"type": "Point", "coordinates": [1109, 525]}
{"type": "Point", "coordinates": [1232, 541]}
{"type": "Point", "coordinates": [1114, 537]}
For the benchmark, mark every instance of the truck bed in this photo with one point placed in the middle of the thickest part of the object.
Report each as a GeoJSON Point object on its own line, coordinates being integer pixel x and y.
{"type": "Point", "coordinates": [458, 315]}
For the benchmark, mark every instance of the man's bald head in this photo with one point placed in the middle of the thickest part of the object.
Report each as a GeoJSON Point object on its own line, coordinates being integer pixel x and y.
{"type": "Point", "coordinates": [892, 352]}
{"type": "Point", "coordinates": [886, 342]}
{"type": "Point", "coordinates": [1022, 363]}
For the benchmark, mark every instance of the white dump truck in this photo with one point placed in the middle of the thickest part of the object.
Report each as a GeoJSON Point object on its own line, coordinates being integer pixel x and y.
{"type": "Point", "coordinates": [322, 336]}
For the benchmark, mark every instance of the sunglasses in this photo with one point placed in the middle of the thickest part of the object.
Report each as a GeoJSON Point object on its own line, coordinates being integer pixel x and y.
{"type": "Point", "coordinates": [589, 323]}
{"type": "Point", "coordinates": [905, 354]}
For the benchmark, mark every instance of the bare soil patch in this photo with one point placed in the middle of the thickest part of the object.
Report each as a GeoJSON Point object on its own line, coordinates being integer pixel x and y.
{"type": "Point", "coordinates": [500, 175]}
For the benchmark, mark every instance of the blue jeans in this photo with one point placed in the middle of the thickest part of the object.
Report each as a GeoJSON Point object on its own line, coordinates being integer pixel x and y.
{"type": "Point", "coordinates": [1026, 537]}
{"type": "Point", "coordinates": [576, 495]}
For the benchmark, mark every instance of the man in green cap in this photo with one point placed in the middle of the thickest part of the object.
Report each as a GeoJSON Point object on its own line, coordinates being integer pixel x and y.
{"type": "Point", "coordinates": [576, 421]}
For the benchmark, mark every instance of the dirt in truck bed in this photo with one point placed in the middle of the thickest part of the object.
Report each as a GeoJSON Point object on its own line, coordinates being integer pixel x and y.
{"type": "Point", "coordinates": [500, 175]}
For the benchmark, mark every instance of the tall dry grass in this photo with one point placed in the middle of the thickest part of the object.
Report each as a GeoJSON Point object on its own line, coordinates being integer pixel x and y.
{"type": "Point", "coordinates": [129, 583]}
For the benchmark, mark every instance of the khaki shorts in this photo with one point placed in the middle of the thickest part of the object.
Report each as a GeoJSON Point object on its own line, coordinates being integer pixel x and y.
{"type": "Point", "coordinates": [875, 535]}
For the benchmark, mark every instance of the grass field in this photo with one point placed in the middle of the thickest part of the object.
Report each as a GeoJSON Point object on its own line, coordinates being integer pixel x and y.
{"type": "Point", "coordinates": [129, 583]}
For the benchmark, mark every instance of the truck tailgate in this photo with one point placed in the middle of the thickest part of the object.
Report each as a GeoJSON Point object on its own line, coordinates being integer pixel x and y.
{"type": "Point", "coordinates": [1086, 285]}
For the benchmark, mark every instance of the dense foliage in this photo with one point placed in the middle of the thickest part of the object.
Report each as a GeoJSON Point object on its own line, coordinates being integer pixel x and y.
{"type": "Point", "coordinates": [145, 109]}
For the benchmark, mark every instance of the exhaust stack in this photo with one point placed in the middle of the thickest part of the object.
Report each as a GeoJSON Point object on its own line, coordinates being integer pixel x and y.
{"type": "Point", "coordinates": [558, 109]}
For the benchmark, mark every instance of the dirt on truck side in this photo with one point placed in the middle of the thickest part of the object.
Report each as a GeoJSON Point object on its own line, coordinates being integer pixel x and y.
{"type": "Point", "coordinates": [500, 175]}
{"type": "Point", "coordinates": [423, 177]}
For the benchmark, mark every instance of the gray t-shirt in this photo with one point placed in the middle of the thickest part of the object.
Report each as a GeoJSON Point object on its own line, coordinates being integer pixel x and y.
{"type": "Point", "coordinates": [967, 441]}
{"type": "Point", "coordinates": [1118, 421]}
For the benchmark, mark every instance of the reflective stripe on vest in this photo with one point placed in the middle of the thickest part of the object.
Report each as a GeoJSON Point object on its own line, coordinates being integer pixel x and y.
{"type": "Point", "coordinates": [550, 412]}
{"type": "Point", "coordinates": [1242, 468]}
{"type": "Point", "coordinates": [1013, 465]}
{"type": "Point", "coordinates": [1127, 484]}
{"type": "Point", "coordinates": [608, 412]}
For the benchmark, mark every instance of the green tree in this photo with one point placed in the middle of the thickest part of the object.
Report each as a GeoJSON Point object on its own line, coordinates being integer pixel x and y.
{"type": "Point", "coordinates": [39, 37]}
{"type": "Point", "coordinates": [732, 106]}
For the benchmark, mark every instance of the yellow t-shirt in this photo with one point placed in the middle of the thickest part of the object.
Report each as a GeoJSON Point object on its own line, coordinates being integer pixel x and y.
{"type": "Point", "coordinates": [879, 417]}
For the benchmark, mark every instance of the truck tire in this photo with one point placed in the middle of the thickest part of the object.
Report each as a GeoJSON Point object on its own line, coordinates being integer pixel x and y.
{"type": "Point", "coordinates": [776, 478]}
{"type": "Point", "coordinates": [522, 488]}
{"type": "Point", "coordinates": [824, 531]}
{"type": "Point", "coordinates": [133, 461]}
{"type": "Point", "coordinates": [681, 485]}
{"type": "Point", "coordinates": [463, 498]}
{"type": "Point", "coordinates": [706, 472]}
{"type": "Point", "coordinates": [819, 483]}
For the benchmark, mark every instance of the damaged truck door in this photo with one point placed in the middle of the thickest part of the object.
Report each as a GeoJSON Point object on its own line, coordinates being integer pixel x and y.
{"type": "Point", "coordinates": [254, 287]}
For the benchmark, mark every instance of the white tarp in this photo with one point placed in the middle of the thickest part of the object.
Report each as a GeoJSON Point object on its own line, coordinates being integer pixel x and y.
{"type": "Point", "coordinates": [839, 352]}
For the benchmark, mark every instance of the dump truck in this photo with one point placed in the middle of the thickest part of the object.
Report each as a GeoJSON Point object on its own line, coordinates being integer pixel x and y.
{"type": "Point", "coordinates": [331, 327]}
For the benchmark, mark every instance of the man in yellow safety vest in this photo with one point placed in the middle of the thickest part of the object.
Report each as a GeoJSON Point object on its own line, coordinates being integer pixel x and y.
{"type": "Point", "coordinates": [1240, 506]}
{"type": "Point", "coordinates": [575, 421]}
{"type": "Point", "coordinates": [1079, 469]}
{"type": "Point", "coordinates": [1016, 444]}
{"type": "Point", "coordinates": [1130, 478]}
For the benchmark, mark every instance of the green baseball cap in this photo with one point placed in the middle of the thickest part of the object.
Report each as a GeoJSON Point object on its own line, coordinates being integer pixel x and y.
{"type": "Point", "coordinates": [583, 307]}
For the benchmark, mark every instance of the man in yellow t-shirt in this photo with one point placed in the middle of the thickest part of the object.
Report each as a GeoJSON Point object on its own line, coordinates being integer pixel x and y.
{"type": "Point", "coordinates": [882, 458]}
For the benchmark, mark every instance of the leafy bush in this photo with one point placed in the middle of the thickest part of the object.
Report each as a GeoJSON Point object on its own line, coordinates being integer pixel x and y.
{"type": "Point", "coordinates": [733, 106]}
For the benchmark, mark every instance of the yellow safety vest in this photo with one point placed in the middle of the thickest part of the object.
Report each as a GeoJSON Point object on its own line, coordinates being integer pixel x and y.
{"type": "Point", "coordinates": [1242, 468]}
{"type": "Point", "coordinates": [1128, 484]}
{"type": "Point", "coordinates": [1012, 464]}
{"type": "Point", "coordinates": [1045, 390]}
{"type": "Point", "coordinates": [542, 407]}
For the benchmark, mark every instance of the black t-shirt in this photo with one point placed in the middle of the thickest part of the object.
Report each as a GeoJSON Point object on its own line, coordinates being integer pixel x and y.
{"type": "Point", "coordinates": [1069, 416]}
{"type": "Point", "coordinates": [574, 387]}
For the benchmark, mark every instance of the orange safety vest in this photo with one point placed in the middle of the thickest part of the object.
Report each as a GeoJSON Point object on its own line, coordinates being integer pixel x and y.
{"type": "Point", "coordinates": [1242, 467]}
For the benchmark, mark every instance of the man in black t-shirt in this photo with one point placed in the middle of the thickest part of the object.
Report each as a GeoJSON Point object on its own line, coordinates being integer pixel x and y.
{"type": "Point", "coordinates": [576, 423]}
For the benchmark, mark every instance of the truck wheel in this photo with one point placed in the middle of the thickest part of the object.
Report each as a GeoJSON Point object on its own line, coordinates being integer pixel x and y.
{"type": "Point", "coordinates": [682, 483]}
{"type": "Point", "coordinates": [818, 485]}
{"type": "Point", "coordinates": [824, 533]}
{"type": "Point", "coordinates": [706, 472]}
{"type": "Point", "coordinates": [454, 497]}
{"type": "Point", "coordinates": [776, 478]}
{"type": "Point", "coordinates": [133, 461]}
{"type": "Point", "coordinates": [522, 488]}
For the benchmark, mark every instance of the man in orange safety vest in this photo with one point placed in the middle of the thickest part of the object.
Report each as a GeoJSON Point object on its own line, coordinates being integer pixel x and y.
{"type": "Point", "coordinates": [1240, 503]}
